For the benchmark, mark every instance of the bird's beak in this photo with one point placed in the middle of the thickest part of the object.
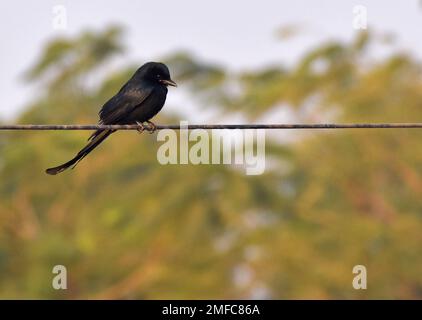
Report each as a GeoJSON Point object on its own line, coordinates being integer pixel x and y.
{"type": "Point", "coordinates": [169, 83]}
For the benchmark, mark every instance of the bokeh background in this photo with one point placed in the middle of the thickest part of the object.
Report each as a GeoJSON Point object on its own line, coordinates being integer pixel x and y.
{"type": "Point", "coordinates": [127, 227]}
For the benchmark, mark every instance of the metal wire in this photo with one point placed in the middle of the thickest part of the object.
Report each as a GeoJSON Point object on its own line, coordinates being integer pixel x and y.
{"type": "Point", "coordinates": [217, 126]}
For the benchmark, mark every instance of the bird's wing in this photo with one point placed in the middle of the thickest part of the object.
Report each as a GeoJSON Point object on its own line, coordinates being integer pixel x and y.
{"type": "Point", "coordinates": [122, 104]}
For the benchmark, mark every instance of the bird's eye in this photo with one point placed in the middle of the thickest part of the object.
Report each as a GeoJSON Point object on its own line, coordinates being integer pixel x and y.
{"type": "Point", "coordinates": [158, 76]}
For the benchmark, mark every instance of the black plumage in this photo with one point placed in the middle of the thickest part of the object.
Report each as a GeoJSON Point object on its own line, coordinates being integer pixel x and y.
{"type": "Point", "coordinates": [139, 100]}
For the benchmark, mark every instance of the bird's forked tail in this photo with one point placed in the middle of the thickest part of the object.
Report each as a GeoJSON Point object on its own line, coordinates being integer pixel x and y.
{"type": "Point", "coordinates": [97, 137]}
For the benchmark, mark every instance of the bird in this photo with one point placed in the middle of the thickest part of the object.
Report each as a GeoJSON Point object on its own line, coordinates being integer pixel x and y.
{"type": "Point", "coordinates": [138, 101]}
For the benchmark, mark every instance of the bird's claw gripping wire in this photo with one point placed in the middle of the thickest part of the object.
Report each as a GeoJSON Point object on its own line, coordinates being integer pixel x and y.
{"type": "Point", "coordinates": [151, 127]}
{"type": "Point", "coordinates": [141, 127]}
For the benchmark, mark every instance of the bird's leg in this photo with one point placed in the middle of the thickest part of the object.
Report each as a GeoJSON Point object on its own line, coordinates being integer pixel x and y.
{"type": "Point", "coordinates": [141, 127]}
{"type": "Point", "coordinates": [151, 127]}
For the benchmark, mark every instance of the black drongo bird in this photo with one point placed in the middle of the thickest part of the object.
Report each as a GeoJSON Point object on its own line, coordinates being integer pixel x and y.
{"type": "Point", "coordinates": [140, 99]}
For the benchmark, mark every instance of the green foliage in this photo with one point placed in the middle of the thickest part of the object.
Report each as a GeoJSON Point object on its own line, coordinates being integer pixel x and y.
{"type": "Point", "coordinates": [127, 227]}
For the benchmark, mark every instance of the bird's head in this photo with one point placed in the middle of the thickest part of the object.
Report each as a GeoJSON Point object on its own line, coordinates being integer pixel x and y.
{"type": "Point", "coordinates": [155, 72]}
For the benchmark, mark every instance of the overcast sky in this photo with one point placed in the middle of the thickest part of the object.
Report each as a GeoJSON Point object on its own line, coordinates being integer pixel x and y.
{"type": "Point", "coordinates": [236, 33]}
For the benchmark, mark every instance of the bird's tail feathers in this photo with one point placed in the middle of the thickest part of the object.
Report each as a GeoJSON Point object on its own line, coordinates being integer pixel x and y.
{"type": "Point", "coordinates": [96, 138]}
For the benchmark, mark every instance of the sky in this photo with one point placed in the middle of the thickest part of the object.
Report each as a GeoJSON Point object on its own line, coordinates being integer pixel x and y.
{"type": "Point", "coordinates": [239, 34]}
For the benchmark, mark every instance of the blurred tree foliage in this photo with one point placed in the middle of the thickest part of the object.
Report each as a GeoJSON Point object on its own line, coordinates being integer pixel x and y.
{"type": "Point", "coordinates": [127, 227]}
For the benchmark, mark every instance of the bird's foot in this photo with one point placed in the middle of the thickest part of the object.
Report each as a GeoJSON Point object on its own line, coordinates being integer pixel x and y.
{"type": "Point", "coordinates": [151, 127]}
{"type": "Point", "coordinates": [141, 127]}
